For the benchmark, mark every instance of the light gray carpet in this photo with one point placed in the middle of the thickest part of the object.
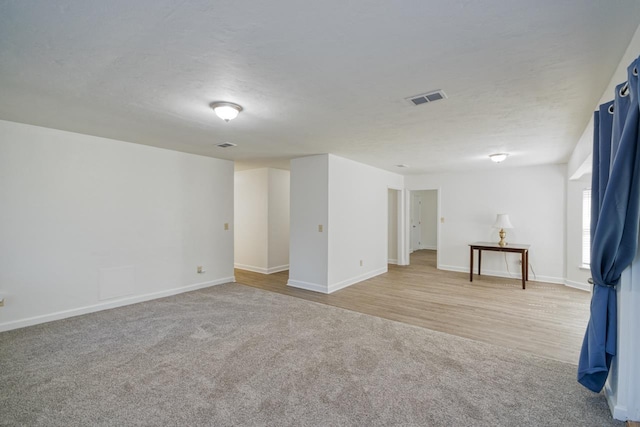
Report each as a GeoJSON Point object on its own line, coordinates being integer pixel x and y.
{"type": "Point", "coordinates": [235, 355]}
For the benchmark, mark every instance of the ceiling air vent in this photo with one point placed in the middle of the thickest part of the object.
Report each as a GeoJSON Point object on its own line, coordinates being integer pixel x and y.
{"type": "Point", "coordinates": [226, 145]}
{"type": "Point", "coordinates": [425, 98]}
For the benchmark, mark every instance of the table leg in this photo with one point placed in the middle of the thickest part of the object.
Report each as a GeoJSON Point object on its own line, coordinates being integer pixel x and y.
{"type": "Point", "coordinates": [479, 260]}
{"type": "Point", "coordinates": [523, 262]}
{"type": "Point", "coordinates": [470, 264]}
{"type": "Point", "coordinates": [527, 262]}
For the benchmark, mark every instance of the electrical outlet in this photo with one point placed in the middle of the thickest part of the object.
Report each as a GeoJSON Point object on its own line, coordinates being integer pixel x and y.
{"type": "Point", "coordinates": [226, 225]}
{"type": "Point", "coordinates": [319, 228]}
{"type": "Point", "coordinates": [200, 270]}
{"type": "Point", "coordinates": [2, 302]}
{"type": "Point", "coordinates": [360, 263]}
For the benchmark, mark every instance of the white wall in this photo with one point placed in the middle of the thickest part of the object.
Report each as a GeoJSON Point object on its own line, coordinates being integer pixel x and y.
{"type": "Point", "coordinates": [251, 206]}
{"type": "Point", "coordinates": [584, 146]}
{"type": "Point", "coordinates": [358, 223]}
{"type": "Point", "coordinates": [279, 206]}
{"type": "Point", "coordinates": [577, 275]}
{"type": "Point", "coordinates": [309, 248]}
{"type": "Point", "coordinates": [350, 200]}
{"type": "Point", "coordinates": [534, 198]}
{"type": "Point", "coordinates": [90, 223]}
{"type": "Point", "coordinates": [392, 232]}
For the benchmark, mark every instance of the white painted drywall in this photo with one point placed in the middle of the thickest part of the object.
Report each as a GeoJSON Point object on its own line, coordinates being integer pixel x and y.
{"type": "Point", "coordinates": [251, 211]}
{"type": "Point", "coordinates": [534, 198]}
{"type": "Point", "coordinates": [358, 223]}
{"type": "Point", "coordinates": [278, 221]}
{"type": "Point", "coordinates": [308, 247]}
{"type": "Point", "coordinates": [576, 276]}
{"type": "Point", "coordinates": [392, 240]}
{"type": "Point", "coordinates": [79, 211]}
{"type": "Point", "coordinates": [350, 200]}
{"type": "Point", "coordinates": [584, 146]}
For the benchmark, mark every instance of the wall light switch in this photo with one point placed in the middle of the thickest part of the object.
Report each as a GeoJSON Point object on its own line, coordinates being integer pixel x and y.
{"type": "Point", "coordinates": [226, 225]}
{"type": "Point", "coordinates": [442, 219]}
{"type": "Point", "coordinates": [2, 302]}
{"type": "Point", "coordinates": [360, 263]}
{"type": "Point", "coordinates": [320, 228]}
{"type": "Point", "coordinates": [200, 270]}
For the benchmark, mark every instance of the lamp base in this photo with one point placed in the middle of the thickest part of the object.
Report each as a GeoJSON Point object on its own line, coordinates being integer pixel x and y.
{"type": "Point", "coordinates": [502, 243]}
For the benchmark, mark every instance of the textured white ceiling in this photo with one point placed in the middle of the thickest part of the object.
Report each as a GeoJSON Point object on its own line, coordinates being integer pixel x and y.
{"type": "Point", "coordinates": [329, 76]}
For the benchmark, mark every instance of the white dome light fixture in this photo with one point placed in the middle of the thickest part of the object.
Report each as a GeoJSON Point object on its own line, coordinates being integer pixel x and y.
{"type": "Point", "coordinates": [498, 157]}
{"type": "Point", "coordinates": [226, 110]}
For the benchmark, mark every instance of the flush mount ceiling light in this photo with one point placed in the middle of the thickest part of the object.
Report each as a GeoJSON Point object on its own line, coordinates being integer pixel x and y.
{"type": "Point", "coordinates": [226, 110]}
{"type": "Point", "coordinates": [498, 157]}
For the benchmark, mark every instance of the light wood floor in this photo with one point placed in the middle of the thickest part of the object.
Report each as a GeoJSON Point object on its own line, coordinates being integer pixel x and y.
{"type": "Point", "coordinates": [545, 319]}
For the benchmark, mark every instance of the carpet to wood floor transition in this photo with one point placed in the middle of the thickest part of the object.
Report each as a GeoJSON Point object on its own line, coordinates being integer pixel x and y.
{"type": "Point", "coordinates": [236, 355]}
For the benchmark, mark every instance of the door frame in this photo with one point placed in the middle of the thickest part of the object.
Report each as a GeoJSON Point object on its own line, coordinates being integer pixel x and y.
{"type": "Point", "coordinates": [403, 244]}
{"type": "Point", "coordinates": [439, 220]}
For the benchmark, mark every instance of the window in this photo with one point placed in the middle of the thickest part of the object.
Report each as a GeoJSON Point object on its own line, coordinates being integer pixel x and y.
{"type": "Point", "coordinates": [586, 227]}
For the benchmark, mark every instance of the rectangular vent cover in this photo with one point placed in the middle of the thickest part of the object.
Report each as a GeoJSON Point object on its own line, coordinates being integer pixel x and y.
{"type": "Point", "coordinates": [425, 98]}
{"type": "Point", "coordinates": [226, 145]}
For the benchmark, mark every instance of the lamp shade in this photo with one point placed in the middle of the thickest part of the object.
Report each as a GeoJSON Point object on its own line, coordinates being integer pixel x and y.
{"type": "Point", "coordinates": [502, 221]}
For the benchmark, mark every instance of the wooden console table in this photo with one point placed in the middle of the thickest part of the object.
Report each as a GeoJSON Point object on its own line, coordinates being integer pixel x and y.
{"type": "Point", "coordinates": [523, 250]}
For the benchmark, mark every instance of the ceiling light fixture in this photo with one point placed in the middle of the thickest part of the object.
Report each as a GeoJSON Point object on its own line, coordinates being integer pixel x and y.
{"type": "Point", "coordinates": [226, 110]}
{"type": "Point", "coordinates": [498, 157]}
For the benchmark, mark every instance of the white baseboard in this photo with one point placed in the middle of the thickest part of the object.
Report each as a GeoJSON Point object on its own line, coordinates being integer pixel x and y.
{"type": "Point", "coordinates": [307, 286]}
{"type": "Point", "coordinates": [578, 285]}
{"type": "Point", "coordinates": [547, 279]}
{"type": "Point", "coordinates": [353, 280]}
{"type": "Point", "coordinates": [278, 269]}
{"type": "Point", "coordinates": [497, 273]}
{"type": "Point", "coordinates": [15, 324]}
{"type": "Point", "coordinates": [261, 269]}
{"type": "Point", "coordinates": [392, 261]}
{"type": "Point", "coordinates": [429, 247]}
{"type": "Point", "coordinates": [618, 412]}
{"type": "Point", "coordinates": [453, 268]}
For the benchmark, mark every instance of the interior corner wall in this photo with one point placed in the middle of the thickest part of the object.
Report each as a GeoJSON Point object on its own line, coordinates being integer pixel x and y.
{"type": "Point", "coordinates": [261, 200]}
{"type": "Point", "coordinates": [534, 198]}
{"type": "Point", "coordinates": [90, 223]}
{"type": "Point", "coordinates": [251, 194]}
{"type": "Point", "coordinates": [308, 247]}
{"type": "Point", "coordinates": [358, 221]}
{"type": "Point", "coordinates": [278, 220]}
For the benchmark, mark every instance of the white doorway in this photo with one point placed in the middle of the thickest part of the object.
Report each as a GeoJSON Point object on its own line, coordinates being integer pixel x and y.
{"type": "Point", "coordinates": [423, 220]}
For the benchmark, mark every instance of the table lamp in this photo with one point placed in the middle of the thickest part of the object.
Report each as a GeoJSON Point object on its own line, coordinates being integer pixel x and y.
{"type": "Point", "coordinates": [502, 222]}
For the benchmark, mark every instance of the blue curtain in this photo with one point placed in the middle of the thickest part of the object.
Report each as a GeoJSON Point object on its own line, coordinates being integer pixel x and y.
{"type": "Point", "coordinates": [615, 219]}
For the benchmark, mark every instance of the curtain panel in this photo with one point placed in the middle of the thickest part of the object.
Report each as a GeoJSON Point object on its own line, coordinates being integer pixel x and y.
{"type": "Point", "coordinates": [615, 218]}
